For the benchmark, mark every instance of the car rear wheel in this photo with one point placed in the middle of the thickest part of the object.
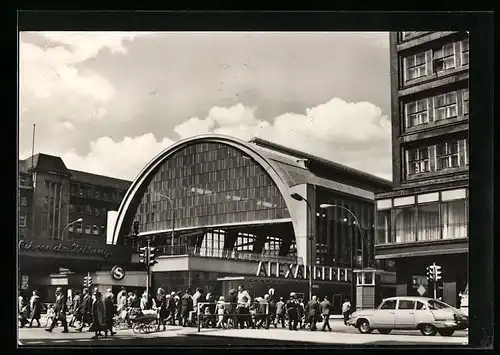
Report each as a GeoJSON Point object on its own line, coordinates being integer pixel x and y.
{"type": "Point", "coordinates": [446, 332]}
{"type": "Point", "coordinates": [428, 329]}
{"type": "Point", "coordinates": [364, 326]}
{"type": "Point", "coordinates": [384, 331]}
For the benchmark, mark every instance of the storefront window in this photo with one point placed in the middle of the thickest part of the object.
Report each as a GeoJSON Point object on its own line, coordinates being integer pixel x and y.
{"type": "Point", "coordinates": [384, 234]}
{"type": "Point", "coordinates": [454, 219]}
{"type": "Point", "coordinates": [405, 226]}
{"type": "Point", "coordinates": [428, 222]}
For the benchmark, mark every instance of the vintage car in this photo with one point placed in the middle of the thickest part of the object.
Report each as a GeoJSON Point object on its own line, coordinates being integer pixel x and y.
{"type": "Point", "coordinates": [428, 315]}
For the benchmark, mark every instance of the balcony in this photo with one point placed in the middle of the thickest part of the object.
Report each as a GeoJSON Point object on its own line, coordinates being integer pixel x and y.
{"type": "Point", "coordinates": [226, 254]}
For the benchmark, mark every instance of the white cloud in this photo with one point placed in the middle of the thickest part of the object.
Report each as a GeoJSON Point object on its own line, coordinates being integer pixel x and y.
{"type": "Point", "coordinates": [354, 134]}
{"type": "Point", "coordinates": [68, 125]}
{"type": "Point", "coordinates": [123, 159]}
{"type": "Point", "coordinates": [53, 83]}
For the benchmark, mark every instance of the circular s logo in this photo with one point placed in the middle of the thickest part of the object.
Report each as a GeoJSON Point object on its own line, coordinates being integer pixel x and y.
{"type": "Point", "coordinates": [117, 273]}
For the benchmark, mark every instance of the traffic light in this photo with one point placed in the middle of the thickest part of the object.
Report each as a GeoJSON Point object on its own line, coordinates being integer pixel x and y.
{"type": "Point", "coordinates": [143, 256]}
{"type": "Point", "coordinates": [151, 257]}
{"type": "Point", "coordinates": [136, 227]}
{"type": "Point", "coordinates": [438, 273]}
{"type": "Point", "coordinates": [87, 281]}
{"type": "Point", "coordinates": [430, 273]}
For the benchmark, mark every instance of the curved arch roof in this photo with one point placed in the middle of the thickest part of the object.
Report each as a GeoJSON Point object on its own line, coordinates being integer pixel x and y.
{"type": "Point", "coordinates": [286, 171]}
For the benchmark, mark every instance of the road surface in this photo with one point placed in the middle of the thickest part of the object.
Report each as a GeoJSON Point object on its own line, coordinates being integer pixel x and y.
{"type": "Point", "coordinates": [179, 336]}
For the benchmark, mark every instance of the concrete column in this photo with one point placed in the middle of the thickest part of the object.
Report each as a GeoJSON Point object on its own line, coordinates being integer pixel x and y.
{"type": "Point", "coordinates": [48, 211]}
{"type": "Point", "coordinates": [304, 221]}
{"type": "Point", "coordinates": [53, 233]}
{"type": "Point", "coordinates": [59, 218]}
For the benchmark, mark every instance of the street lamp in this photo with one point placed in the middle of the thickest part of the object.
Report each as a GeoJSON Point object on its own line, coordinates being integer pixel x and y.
{"type": "Point", "coordinates": [327, 205]}
{"type": "Point", "coordinates": [173, 218]}
{"type": "Point", "coordinates": [298, 197]}
{"type": "Point", "coordinates": [67, 226]}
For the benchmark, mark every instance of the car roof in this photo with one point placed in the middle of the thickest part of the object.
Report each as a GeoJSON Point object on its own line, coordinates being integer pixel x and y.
{"type": "Point", "coordinates": [409, 298]}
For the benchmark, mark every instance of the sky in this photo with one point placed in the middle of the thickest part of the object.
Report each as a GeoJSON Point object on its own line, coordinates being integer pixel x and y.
{"type": "Point", "coordinates": [108, 102]}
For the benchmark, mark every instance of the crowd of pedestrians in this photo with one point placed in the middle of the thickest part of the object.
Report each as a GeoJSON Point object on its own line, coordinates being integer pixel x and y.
{"type": "Point", "coordinates": [100, 312]}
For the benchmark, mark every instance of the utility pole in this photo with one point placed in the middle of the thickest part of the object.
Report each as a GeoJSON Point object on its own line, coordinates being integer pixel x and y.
{"type": "Point", "coordinates": [148, 269]}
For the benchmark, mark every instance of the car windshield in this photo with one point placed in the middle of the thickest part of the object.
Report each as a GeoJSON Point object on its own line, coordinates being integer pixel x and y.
{"type": "Point", "coordinates": [434, 304]}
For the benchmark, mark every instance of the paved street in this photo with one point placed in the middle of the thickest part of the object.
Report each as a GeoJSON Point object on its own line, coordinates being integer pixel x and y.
{"type": "Point", "coordinates": [340, 335]}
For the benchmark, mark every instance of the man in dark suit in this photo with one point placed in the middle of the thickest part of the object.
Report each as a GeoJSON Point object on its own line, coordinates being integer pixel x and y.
{"type": "Point", "coordinates": [291, 310]}
{"type": "Point", "coordinates": [60, 310]}
{"type": "Point", "coordinates": [187, 306]}
{"type": "Point", "coordinates": [232, 300]}
{"type": "Point", "coordinates": [312, 311]}
{"type": "Point", "coordinates": [325, 312]}
{"type": "Point", "coordinates": [85, 309]}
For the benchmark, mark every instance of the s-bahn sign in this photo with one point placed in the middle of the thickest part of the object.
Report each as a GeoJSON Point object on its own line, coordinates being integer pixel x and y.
{"type": "Point", "coordinates": [301, 272]}
{"type": "Point", "coordinates": [117, 273]}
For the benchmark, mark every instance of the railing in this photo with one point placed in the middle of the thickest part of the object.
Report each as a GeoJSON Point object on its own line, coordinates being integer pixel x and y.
{"type": "Point", "coordinates": [226, 254]}
{"type": "Point", "coordinates": [253, 317]}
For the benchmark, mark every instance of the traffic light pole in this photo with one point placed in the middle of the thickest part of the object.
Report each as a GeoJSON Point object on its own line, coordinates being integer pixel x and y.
{"type": "Point", "coordinates": [434, 270]}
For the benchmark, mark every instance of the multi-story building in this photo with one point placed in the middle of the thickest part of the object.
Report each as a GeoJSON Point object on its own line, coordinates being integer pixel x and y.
{"type": "Point", "coordinates": [425, 218]}
{"type": "Point", "coordinates": [51, 198]}
{"type": "Point", "coordinates": [61, 196]}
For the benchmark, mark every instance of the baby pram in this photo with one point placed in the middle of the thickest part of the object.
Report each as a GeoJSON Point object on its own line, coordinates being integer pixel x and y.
{"type": "Point", "coordinates": [145, 322]}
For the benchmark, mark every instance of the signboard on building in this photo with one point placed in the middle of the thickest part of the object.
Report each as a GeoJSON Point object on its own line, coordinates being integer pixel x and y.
{"type": "Point", "coordinates": [24, 282]}
{"type": "Point", "coordinates": [299, 271]}
{"type": "Point", "coordinates": [58, 248]}
{"type": "Point", "coordinates": [117, 273]}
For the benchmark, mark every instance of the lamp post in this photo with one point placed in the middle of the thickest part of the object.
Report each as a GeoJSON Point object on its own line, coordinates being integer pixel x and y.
{"type": "Point", "coordinates": [173, 219]}
{"type": "Point", "coordinates": [327, 205]}
{"type": "Point", "coordinates": [69, 224]}
{"type": "Point", "coordinates": [298, 197]}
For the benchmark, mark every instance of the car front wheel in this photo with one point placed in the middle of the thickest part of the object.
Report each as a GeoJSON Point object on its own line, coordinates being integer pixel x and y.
{"type": "Point", "coordinates": [446, 332]}
{"type": "Point", "coordinates": [428, 330]}
{"type": "Point", "coordinates": [364, 326]}
{"type": "Point", "coordinates": [384, 331]}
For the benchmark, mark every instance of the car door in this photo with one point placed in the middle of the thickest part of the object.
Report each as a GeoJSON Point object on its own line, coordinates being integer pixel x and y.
{"type": "Point", "coordinates": [383, 317]}
{"type": "Point", "coordinates": [405, 315]}
{"type": "Point", "coordinates": [422, 314]}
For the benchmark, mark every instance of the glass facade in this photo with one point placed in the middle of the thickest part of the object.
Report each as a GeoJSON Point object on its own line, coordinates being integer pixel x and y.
{"type": "Point", "coordinates": [209, 184]}
{"type": "Point", "coordinates": [337, 232]}
{"type": "Point", "coordinates": [423, 222]}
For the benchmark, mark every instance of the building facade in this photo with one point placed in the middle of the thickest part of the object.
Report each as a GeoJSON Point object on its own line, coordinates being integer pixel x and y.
{"type": "Point", "coordinates": [51, 198]}
{"type": "Point", "coordinates": [425, 218]}
{"type": "Point", "coordinates": [215, 206]}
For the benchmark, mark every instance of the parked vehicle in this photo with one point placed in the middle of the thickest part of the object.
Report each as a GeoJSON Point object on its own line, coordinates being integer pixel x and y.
{"type": "Point", "coordinates": [428, 315]}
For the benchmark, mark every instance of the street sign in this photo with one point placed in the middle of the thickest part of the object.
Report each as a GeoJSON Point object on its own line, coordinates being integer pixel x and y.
{"type": "Point", "coordinates": [421, 290]}
{"type": "Point", "coordinates": [117, 273]}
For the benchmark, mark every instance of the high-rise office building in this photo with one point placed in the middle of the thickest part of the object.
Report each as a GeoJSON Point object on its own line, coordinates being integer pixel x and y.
{"type": "Point", "coordinates": [425, 218]}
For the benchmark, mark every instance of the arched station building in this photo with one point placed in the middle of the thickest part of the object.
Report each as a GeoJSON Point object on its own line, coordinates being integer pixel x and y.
{"type": "Point", "coordinates": [230, 205]}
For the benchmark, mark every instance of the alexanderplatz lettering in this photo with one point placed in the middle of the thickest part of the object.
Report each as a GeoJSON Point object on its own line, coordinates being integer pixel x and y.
{"type": "Point", "coordinates": [297, 271]}
{"type": "Point", "coordinates": [62, 248]}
